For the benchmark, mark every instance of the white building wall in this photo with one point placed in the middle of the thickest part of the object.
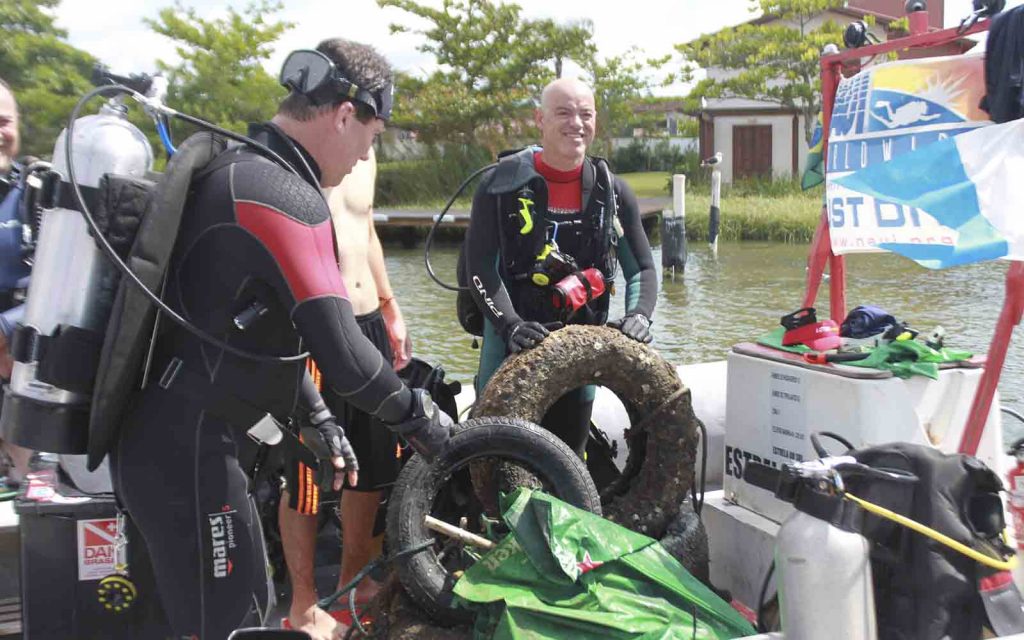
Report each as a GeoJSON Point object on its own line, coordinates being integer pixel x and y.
{"type": "Point", "coordinates": [675, 142]}
{"type": "Point", "coordinates": [782, 142]}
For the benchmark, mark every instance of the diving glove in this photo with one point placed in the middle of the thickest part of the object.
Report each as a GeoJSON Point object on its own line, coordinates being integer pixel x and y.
{"type": "Point", "coordinates": [526, 334]}
{"type": "Point", "coordinates": [427, 429]}
{"type": "Point", "coordinates": [334, 456]}
{"type": "Point", "coordinates": [635, 325]}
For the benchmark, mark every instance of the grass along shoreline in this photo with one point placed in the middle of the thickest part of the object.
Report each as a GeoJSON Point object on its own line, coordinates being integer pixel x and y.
{"type": "Point", "coordinates": [757, 211]}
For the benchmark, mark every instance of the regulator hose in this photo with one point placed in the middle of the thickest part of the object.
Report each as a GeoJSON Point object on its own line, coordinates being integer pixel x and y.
{"type": "Point", "coordinates": [941, 538]}
{"type": "Point", "coordinates": [125, 269]}
{"type": "Point", "coordinates": [437, 223]}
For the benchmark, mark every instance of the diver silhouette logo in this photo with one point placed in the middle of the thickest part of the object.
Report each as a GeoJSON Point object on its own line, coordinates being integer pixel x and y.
{"type": "Point", "coordinates": [905, 115]}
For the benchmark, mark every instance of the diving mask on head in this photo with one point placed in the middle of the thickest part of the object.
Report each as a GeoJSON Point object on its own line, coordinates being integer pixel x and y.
{"type": "Point", "coordinates": [313, 75]}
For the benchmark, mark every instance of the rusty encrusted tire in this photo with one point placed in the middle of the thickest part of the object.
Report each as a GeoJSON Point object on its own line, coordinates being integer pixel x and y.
{"type": "Point", "coordinates": [419, 485]}
{"type": "Point", "coordinates": [662, 452]}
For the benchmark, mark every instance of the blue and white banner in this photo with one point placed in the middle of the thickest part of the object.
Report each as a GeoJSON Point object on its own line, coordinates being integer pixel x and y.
{"type": "Point", "coordinates": [955, 201]}
{"type": "Point", "coordinates": [895, 178]}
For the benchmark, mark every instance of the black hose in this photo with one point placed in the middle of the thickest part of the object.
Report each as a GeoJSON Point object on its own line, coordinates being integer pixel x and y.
{"type": "Point", "coordinates": [123, 268]}
{"type": "Point", "coordinates": [350, 587]}
{"type": "Point", "coordinates": [1011, 412]}
{"type": "Point", "coordinates": [698, 505]}
{"type": "Point", "coordinates": [437, 223]}
{"type": "Point", "coordinates": [820, 448]}
{"type": "Point", "coordinates": [761, 626]}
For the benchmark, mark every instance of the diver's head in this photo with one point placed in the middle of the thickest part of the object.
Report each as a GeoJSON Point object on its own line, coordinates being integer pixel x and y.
{"type": "Point", "coordinates": [9, 139]}
{"type": "Point", "coordinates": [340, 100]}
{"type": "Point", "coordinates": [567, 119]}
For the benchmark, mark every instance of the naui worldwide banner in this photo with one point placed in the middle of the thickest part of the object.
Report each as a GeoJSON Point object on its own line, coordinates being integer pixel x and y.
{"type": "Point", "coordinates": [915, 167]}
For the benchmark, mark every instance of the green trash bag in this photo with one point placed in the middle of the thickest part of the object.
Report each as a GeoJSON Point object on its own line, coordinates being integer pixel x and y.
{"type": "Point", "coordinates": [566, 573]}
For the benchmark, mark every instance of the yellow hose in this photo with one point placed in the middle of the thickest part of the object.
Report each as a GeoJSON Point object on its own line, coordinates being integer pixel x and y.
{"type": "Point", "coordinates": [977, 556]}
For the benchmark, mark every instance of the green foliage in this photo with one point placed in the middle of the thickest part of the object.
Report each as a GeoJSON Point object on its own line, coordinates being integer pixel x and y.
{"type": "Point", "coordinates": [431, 180]}
{"type": "Point", "coordinates": [47, 74]}
{"type": "Point", "coordinates": [648, 184]}
{"type": "Point", "coordinates": [619, 82]}
{"type": "Point", "coordinates": [640, 156]}
{"type": "Point", "coordinates": [221, 77]}
{"type": "Point", "coordinates": [493, 62]}
{"type": "Point", "coordinates": [774, 60]}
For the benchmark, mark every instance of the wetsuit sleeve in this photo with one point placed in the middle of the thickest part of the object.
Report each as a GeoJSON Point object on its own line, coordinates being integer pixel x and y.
{"type": "Point", "coordinates": [293, 223]}
{"type": "Point", "coordinates": [483, 248]}
{"type": "Point", "coordinates": [311, 403]}
{"type": "Point", "coordinates": [634, 253]}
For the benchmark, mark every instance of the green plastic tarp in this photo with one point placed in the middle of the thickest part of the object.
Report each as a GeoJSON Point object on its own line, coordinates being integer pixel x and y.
{"type": "Point", "coordinates": [563, 572]}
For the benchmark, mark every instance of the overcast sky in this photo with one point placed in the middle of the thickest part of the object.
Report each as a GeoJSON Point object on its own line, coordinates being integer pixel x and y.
{"type": "Point", "coordinates": [116, 34]}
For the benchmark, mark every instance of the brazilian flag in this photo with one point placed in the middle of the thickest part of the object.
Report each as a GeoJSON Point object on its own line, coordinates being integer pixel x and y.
{"type": "Point", "coordinates": [814, 171]}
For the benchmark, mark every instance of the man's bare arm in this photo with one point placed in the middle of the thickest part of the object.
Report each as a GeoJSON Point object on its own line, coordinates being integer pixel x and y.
{"type": "Point", "coordinates": [401, 343]}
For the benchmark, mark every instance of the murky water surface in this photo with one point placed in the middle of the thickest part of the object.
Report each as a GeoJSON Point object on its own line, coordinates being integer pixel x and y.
{"type": "Point", "coordinates": [740, 295]}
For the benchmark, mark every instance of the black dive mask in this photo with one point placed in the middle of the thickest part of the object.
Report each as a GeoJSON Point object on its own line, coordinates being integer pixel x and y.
{"type": "Point", "coordinates": [312, 74]}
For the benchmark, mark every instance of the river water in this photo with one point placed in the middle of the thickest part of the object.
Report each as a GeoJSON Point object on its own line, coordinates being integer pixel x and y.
{"type": "Point", "coordinates": [738, 297]}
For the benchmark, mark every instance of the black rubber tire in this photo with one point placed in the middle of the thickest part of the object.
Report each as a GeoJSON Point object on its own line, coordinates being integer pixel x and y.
{"type": "Point", "coordinates": [662, 441]}
{"type": "Point", "coordinates": [425, 579]}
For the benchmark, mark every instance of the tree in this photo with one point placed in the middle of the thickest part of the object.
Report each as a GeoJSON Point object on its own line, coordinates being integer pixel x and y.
{"type": "Point", "coordinates": [221, 77]}
{"type": "Point", "coordinates": [492, 63]}
{"type": "Point", "coordinates": [47, 74]}
{"type": "Point", "coordinates": [772, 61]}
{"type": "Point", "coordinates": [619, 83]}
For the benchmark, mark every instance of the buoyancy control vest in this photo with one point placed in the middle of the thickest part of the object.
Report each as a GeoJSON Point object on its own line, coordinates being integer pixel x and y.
{"type": "Point", "coordinates": [131, 325]}
{"type": "Point", "coordinates": [924, 590]}
{"type": "Point", "coordinates": [526, 228]}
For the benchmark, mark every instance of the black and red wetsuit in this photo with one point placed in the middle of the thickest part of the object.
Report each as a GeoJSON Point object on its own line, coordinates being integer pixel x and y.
{"type": "Point", "coordinates": [254, 235]}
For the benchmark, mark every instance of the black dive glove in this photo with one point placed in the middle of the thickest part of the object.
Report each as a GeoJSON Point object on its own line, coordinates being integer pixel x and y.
{"type": "Point", "coordinates": [327, 441]}
{"type": "Point", "coordinates": [427, 429]}
{"type": "Point", "coordinates": [634, 325]}
{"type": "Point", "coordinates": [527, 334]}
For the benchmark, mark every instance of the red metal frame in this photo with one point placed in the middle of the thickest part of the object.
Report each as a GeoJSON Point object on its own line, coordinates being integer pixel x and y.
{"type": "Point", "coordinates": [821, 245]}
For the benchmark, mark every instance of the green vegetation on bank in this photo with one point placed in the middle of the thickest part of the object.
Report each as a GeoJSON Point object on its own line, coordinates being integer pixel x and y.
{"type": "Point", "coordinates": [772, 210]}
{"type": "Point", "coordinates": [788, 218]}
{"type": "Point", "coordinates": [648, 184]}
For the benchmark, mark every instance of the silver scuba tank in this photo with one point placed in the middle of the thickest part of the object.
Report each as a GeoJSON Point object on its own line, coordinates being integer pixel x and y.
{"type": "Point", "coordinates": [825, 588]}
{"type": "Point", "coordinates": [72, 288]}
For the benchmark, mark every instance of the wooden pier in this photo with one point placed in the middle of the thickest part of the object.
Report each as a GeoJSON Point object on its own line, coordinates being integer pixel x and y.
{"type": "Point", "coordinates": [650, 209]}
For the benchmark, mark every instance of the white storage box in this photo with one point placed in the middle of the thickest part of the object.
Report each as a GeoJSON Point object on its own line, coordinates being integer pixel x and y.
{"type": "Point", "coordinates": [776, 400]}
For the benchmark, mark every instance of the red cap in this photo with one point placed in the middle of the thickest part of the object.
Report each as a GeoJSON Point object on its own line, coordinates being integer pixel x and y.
{"type": "Point", "coordinates": [820, 336]}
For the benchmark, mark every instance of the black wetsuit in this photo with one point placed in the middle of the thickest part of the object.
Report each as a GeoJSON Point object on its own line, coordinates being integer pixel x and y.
{"type": "Point", "coordinates": [504, 296]}
{"type": "Point", "coordinates": [253, 233]}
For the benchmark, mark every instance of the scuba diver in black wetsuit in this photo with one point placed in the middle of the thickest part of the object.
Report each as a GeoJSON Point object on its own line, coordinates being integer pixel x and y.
{"type": "Point", "coordinates": [543, 214]}
{"type": "Point", "coordinates": [255, 265]}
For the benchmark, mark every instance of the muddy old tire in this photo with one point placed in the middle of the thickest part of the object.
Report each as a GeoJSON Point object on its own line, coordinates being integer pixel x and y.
{"type": "Point", "coordinates": [418, 490]}
{"type": "Point", "coordinates": [659, 467]}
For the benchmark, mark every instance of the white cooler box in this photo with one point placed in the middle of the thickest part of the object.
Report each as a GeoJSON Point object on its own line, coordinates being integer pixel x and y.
{"type": "Point", "coordinates": [776, 400]}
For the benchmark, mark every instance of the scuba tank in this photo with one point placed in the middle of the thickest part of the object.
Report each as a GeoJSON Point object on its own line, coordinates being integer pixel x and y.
{"type": "Point", "coordinates": [46, 405]}
{"type": "Point", "coordinates": [823, 561]}
{"type": "Point", "coordinates": [823, 567]}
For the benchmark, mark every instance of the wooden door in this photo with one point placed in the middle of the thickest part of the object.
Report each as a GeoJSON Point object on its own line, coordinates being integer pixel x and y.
{"type": "Point", "coordinates": [751, 151]}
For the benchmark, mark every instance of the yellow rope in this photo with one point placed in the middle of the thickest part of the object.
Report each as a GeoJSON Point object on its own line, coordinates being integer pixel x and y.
{"type": "Point", "coordinates": [977, 556]}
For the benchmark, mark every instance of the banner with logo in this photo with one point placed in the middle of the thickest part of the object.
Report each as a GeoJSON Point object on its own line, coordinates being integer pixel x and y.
{"type": "Point", "coordinates": [899, 111]}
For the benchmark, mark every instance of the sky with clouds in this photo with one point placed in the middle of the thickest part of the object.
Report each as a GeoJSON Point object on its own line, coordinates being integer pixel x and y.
{"type": "Point", "coordinates": [117, 35]}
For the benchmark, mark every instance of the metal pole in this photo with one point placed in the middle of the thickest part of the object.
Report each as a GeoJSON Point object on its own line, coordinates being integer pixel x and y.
{"type": "Point", "coordinates": [459, 534]}
{"type": "Point", "coordinates": [1013, 311]}
{"type": "Point", "coordinates": [715, 215]}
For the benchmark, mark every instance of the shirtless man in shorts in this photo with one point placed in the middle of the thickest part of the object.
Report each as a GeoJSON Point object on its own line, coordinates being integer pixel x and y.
{"type": "Point", "coordinates": [379, 317]}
